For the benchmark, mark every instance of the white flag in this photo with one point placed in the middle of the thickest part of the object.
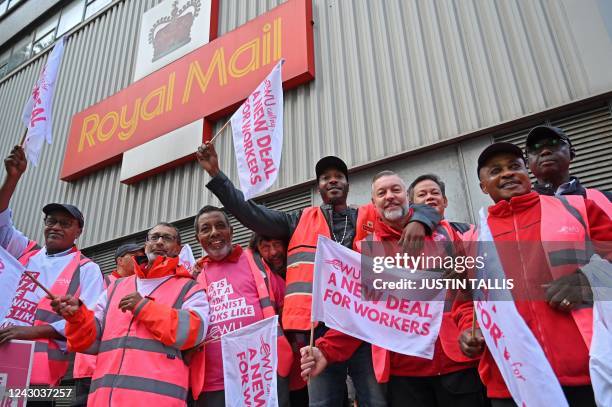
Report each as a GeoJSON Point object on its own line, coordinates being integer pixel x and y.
{"type": "Point", "coordinates": [37, 112]}
{"type": "Point", "coordinates": [186, 258]}
{"type": "Point", "coordinates": [599, 273]}
{"type": "Point", "coordinates": [518, 355]}
{"type": "Point", "coordinates": [398, 324]}
{"type": "Point", "coordinates": [257, 127]}
{"type": "Point", "coordinates": [249, 364]}
{"type": "Point", "coordinates": [10, 275]}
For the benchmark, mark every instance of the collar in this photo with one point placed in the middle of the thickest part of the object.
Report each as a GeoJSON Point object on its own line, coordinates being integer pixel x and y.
{"type": "Point", "coordinates": [232, 257]}
{"type": "Point", "coordinates": [515, 204]}
{"type": "Point", "coordinates": [161, 267]}
{"type": "Point", "coordinates": [387, 232]}
{"type": "Point", "coordinates": [73, 249]}
{"type": "Point", "coordinates": [565, 186]}
{"type": "Point", "coordinates": [572, 187]}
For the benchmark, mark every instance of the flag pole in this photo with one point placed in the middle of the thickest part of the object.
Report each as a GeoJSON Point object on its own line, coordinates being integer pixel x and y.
{"type": "Point", "coordinates": [221, 130]}
{"type": "Point", "coordinates": [474, 323]}
{"type": "Point", "coordinates": [311, 342]}
{"type": "Point", "coordinates": [25, 133]}
{"type": "Point", "coordinates": [38, 283]}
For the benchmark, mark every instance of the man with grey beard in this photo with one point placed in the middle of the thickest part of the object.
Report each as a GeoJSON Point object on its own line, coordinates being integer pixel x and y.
{"type": "Point", "coordinates": [449, 379]}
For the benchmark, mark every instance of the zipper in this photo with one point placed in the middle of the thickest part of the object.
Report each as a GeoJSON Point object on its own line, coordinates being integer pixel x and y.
{"type": "Point", "coordinates": [127, 334]}
{"type": "Point", "coordinates": [524, 275]}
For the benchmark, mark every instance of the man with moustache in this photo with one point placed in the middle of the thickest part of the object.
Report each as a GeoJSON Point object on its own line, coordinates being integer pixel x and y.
{"type": "Point", "coordinates": [230, 273]}
{"type": "Point", "coordinates": [549, 153]}
{"type": "Point", "coordinates": [273, 251]}
{"type": "Point", "coordinates": [428, 189]}
{"type": "Point", "coordinates": [84, 365]}
{"type": "Point", "coordinates": [59, 265]}
{"type": "Point", "coordinates": [336, 220]}
{"type": "Point", "coordinates": [530, 231]}
{"type": "Point", "coordinates": [449, 379]}
{"type": "Point", "coordinates": [140, 326]}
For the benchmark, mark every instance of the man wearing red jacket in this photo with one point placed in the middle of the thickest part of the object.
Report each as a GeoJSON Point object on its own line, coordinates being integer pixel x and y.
{"type": "Point", "coordinates": [449, 379]}
{"type": "Point", "coordinates": [552, 306]}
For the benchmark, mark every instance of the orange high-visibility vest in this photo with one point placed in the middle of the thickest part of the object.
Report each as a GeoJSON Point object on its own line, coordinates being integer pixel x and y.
{"type": "Point", "coordinates": [300, 266]}
{"type": "Point", "coordinates": [261, 275]}
{"type": "Point", "coordinates": [567, 251]}
{"type": "Point", "coordinates": [50, 362]}
{"type": "Point", "coordinates": [300, 261]}
{"type": "Point", "coordinates": [600, 199]}
{"type": "Point", "coordinates": [132, 366]}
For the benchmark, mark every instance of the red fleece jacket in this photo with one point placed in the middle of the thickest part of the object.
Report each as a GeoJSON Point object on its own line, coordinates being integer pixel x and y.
{"type": "Point", "coordinates": [519, 220]}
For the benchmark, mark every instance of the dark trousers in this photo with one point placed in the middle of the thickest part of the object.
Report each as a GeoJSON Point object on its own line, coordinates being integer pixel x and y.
{"type": "Point", "coordinates": [299, 398]}
{"type": "Point", "coordinates": [457, 389]}
{"type": "Point", "coordinates": [81, 392]}
{"type": "Point", "coordinates": [577, 396]}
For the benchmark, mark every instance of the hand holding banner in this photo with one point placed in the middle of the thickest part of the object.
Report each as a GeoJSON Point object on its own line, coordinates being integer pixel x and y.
{"type": "Point", "coordinates": [249, 364]}
{"type": "Point", "coordinates": [37, 111]}
{"type": "Point", "coordinates": [257, 127]}
{"type": "Point", "coordinates": [409, 327]}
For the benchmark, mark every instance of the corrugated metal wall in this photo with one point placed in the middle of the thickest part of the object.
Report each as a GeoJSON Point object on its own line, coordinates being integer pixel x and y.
{"type": "Point", "coordinates": [391, 76]}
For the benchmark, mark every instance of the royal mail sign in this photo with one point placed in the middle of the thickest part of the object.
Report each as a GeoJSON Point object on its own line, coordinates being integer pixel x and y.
{"type": "Point", "coordinates": [205, 84]}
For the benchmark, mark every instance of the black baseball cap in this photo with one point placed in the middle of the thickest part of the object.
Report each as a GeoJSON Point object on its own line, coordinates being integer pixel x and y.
{"type": "Point", "coordinates": [71, 209]}
{"type": "Point", "coordinates": [540, 132]}
{"type": "Point", "coordinates": [331, 161]}
{"type": "Point", "coordinates": [127, 248]}
{"type": "Point", "coordinates": [498, 148]}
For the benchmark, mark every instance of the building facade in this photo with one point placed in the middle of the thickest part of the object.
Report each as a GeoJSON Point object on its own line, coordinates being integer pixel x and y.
{"type": "Point", "coordinates": [415, 86]}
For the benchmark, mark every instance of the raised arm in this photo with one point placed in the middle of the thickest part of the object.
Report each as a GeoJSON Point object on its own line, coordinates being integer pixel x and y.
{"type": "Point", "coordinates": [15, 165]}
{"type": "Point", "coordinates": [10, 238]}
{"type": "Point", "coordinates": [262, 220]}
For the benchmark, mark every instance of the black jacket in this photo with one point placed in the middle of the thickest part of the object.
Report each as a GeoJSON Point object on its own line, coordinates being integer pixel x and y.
{"type": "Point", "coordinates": [575, 188]}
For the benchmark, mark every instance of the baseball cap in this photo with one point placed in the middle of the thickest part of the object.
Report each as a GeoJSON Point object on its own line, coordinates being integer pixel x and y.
{"type": "Point", "coordinates": [540, 132]}
{"type": "Point", "coordinates": [127, 248]}
{"type": "Point", "coordinates": [498, 148]}
{"type": "Point", "coordinates": [330, 162]}
{"type": "Point", "coordinates": [71, 209]}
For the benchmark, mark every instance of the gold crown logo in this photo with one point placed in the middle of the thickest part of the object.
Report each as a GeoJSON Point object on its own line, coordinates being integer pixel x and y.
{"type": "Point", "coordinates": [172, 32]}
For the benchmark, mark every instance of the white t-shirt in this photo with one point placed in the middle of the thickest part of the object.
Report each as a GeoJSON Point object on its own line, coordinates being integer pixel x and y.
{"type": "Point", "coordinates": [46, 268]}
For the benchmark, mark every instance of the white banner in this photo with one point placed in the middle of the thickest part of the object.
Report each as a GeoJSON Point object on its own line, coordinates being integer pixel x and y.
{"type": "Point", "coordinates": [249, 364]}
{"type": "Point", "coordinates": [400, 325]}
{"type": "Point", "coordinates": [10, 276]}
{"type": "Point", "coordinates": [186, 258]}
{"type": "Point", "coordinates": [37, 112]}
{"type": "Point", "coordinates": [257, 127]}
{"type": "Point", "coordinates": [518, 355]}
{"type": "Point", "coordinates": [599, 273]}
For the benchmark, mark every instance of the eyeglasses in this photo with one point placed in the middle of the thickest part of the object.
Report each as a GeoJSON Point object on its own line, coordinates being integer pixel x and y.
{"type": "Point", "coordinates": [552, 143]}
{"type": "Point", "coordinates": [64, 224]}
{"type": "Point", "coordinates": [166, 238]}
